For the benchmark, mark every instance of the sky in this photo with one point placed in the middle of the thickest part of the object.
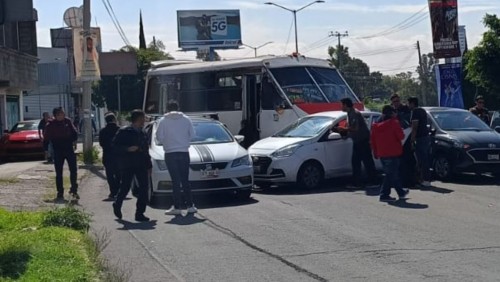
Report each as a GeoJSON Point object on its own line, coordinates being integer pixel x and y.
{"type": "Point", "coordinates": [391, 53]}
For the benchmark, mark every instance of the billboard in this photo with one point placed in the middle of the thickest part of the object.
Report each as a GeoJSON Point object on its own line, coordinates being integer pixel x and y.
{"type": "Point", "coordinates": [444, 22]}
{"type": "Point", "coordinates": [86, 57]}
{"type": "Point", "coordinates": [449, 85]}
{"type": "Point", "coordinates": [204, 29]}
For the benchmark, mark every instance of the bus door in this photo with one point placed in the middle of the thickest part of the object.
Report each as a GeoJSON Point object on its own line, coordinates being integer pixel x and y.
{"type": "Point", "coordinates": [251, 109]}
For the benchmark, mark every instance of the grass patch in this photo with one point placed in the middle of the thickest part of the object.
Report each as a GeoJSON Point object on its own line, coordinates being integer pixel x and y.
{"type": "Point", "coordinates": [90, 157]}
{"type": "Point", "coordinates": [38, 246]}
{"type": "Point", "coordinates": [8, 181]}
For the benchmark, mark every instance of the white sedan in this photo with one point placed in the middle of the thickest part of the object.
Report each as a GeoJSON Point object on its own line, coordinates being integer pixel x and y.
{"type": "Point", "coordinates": [218, 162]}
{"type": "Point", "coordinates": [306, 152]}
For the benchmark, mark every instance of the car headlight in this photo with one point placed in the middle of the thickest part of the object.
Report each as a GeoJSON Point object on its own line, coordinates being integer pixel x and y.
{"type": "Point", "coordinates": [161, 165]}
{"type": "Point", "coordinates": [286, 151]}
{"type": "Point", "coordinates": [245, 160]}
{"type": "Point", "coordinates": [459, 145]}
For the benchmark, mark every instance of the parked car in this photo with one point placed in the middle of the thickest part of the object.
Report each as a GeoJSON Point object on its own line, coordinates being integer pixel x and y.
{"type": "Point", "coordinates": [22, 140]}
{"type": "Point", "coordinates": [306, 152]}
{"type": "Point", "coordinates": [462, 143]}
{"type": "Point", "coordinates": [218, 162]}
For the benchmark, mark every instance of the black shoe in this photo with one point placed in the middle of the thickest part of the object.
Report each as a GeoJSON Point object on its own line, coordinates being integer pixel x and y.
{"type": "Point", "coordinates": [75, 195]}
{"type": "Point", "coordinates": [387, 199]}
{"type": "Point", "coordinates": [405, 195]}
{"type": "Point", "coordinates": [59, 199]}
{"type": "Point", "coordinates": [141, 218]}
{"type": "Point", "coordinates": [117, 211]}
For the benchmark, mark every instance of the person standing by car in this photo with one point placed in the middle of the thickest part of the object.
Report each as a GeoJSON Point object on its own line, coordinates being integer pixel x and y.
{"type": "Point", "coordinates": [61, 133]}
{"type": "Point", "coordinates": [420, 140]}
{"type": "Point", "coordinates": [41, 132]}
{"type": "Point", "coordinates": [480, 111]}
{"type": "Point", "coordinates": [358, 131]}
{"type": "Point", "coordinates": [408, 162]}
{"type": "Point", "coordinates": [386, 140]}
{"type": "Point", "coordinates": [132, 149]}
{"type": "Point", "coordinates": [109, 159]}
{"type": "Point", "coordinates": [175, 132]}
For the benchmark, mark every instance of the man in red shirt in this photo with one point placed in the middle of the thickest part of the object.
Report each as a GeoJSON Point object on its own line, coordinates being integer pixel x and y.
{"type": "Point", "coordinates": [386, 139]}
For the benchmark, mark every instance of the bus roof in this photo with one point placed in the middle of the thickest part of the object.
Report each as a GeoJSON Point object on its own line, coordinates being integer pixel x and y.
{"type": "Point", "coordinates": [269, 61]}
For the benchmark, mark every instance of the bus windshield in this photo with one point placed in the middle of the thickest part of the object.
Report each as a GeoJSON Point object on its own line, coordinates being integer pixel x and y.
{"type": "Point", "coordinates": [312, 84]}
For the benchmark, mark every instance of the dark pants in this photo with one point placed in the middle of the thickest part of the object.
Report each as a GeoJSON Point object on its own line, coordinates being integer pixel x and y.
{"type": "Point", "coordinates": [391, 179]}
{"type": "Point", "coordinates": [422, 150]}
{"type": "Point", "coordinates": [362, 153]}
{"type": "Point", "coordinates": [59, 157]}
{"type": "Point", "coordinates": [112, 175]}
{"type": "Point", "coordinates": [407, 166]}
{"type": "Point", "coordinates": [126, 177]}
{"type": "Point", "coordinates": [178, 168]}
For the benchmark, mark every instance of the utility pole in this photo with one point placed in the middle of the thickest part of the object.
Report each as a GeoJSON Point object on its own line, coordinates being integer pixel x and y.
{"type": "Point", "coordinates": [87, 91]}
{"type": "Point", "coordinates": [423, 75]}
{"type": "Point", "coordinates": [339, 36]}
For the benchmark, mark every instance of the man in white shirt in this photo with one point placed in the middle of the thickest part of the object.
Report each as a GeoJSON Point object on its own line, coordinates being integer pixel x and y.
{"type": "Point", "coordinates": [175, 132]}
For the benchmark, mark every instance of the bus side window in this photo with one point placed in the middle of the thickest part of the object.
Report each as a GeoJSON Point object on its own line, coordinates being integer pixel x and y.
{"type": "Point", "coordinates": [153, 96]}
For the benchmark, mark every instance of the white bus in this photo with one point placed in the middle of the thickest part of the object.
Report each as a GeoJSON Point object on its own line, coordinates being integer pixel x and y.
{"type": "Point", "coordinates": [267, 93]}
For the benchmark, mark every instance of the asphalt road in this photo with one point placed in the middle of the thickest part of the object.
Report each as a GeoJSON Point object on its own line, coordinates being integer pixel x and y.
{"type": "Point", "coordinates": [450, 233]}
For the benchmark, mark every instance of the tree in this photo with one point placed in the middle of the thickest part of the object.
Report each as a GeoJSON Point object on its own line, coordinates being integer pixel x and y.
{"type": "Point", "coordinates": [205, 55]}
{"type": "Point", "coordinates": [483, 62]}
{"type": "Point", "coordinates": [427, 77]}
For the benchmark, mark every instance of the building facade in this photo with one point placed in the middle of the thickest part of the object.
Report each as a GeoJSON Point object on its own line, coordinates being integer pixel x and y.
{"type": "Point", "coordinates": [18, 58]}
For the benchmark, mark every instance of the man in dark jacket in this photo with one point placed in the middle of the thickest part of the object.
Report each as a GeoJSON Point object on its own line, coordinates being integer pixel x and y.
{"type": "Point", "coordinates": [358, 131]}
{"type": "Point", "coordinates": [386, 139]}
{"type": "Point", "coordinates": [109, 159]}
{"type": "Point", "coordinates": [132, 149]}
{"type": "Point", "coordinates": [61, 132]}
{"type": "Point", "coordinates": [481, 111]}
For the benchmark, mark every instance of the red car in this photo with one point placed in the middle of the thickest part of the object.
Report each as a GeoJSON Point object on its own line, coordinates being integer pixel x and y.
{"type": "Point", "coordinates": [22, 141]}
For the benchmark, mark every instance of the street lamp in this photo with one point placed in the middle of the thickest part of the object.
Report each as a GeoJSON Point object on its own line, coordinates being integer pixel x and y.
{"type": "Point", "coordinates": [258, 47]}
{"type": "Point", "coordinates": [295, 18]}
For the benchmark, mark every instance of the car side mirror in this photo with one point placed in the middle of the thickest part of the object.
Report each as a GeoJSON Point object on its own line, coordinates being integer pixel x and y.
{"type": "Point", "coordinates": [497, 129]}
{"type": "Point", "coordinates": [239, 138]}
{"type": "Point", "coordinates": [334, 136]}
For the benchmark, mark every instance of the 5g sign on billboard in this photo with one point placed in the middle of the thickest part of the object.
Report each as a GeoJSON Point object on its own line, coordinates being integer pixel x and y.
{"type": "Point", "coordinates": [202, 29]}
{"type": "Point", "coordinates": [219, 25]}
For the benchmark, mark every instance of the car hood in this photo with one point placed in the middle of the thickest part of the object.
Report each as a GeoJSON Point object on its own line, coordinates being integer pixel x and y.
{"type": "Point", "coordinates": [206, 153]}
{"type": "Point", "coordinates": [275, 143]}
{"type": "Point", "coordinates": [475, 138]}
{"type": "Point", "coordinates": [23, 135]}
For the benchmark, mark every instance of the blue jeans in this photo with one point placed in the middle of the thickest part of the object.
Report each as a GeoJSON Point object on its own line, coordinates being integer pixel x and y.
{"type": "Point", "coordinates": [178, 168]}
{"type": "Point", "coordinates": [391, 179]}
{"type": "Point", "coordinates": [422, 150]}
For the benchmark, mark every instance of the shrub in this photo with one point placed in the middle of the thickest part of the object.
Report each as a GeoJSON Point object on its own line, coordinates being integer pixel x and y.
{"type": "Point", "coordinates": [69, 217]}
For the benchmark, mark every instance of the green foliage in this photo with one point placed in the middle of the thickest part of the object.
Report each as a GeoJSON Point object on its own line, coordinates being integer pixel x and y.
{"type": "Point", "coordinates": [90, 157]}
{"type": "Point", "coordinates": [482, 64]}
{"type": "Point", "coordinates": [69, 217]}
{"type": "Point", "coordinates": [29, 251]}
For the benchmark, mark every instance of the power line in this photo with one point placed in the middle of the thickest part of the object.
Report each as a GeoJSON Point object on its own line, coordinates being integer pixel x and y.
{"type": "Point", "coordinates": [405, 24]}
{"type": "Point", "coordinates": [122, 35]}
{"type": "Point", "coordinates": [385, 51]}
{"type": "Point", "coordinates": [118, 22]}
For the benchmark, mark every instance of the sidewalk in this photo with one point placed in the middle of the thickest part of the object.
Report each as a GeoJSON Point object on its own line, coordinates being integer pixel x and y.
{"type": "Point", "coordinates": [30, 185]}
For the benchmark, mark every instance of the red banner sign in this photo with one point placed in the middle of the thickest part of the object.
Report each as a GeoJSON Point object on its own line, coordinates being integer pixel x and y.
{"type": "Point", "coordinates": [444, 21]}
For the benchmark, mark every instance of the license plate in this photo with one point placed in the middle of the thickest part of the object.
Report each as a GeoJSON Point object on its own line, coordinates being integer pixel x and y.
{"type": "Point", "coordinates": [256, 169]}
{"type": "Point", "coordinates": [210, 173]}
{"type": "Point", "coordinates": [493, 157]}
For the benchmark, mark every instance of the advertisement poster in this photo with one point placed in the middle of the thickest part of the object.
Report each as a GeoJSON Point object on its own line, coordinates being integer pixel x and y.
{"type": "Point", "coordinates": [86, 55]}
{"type": "Point", "coordinates": [204, 29]}
{"type": "Point", "coordinates": [449, 85]}
{"type": "Point", "coordinates": [444, 22]}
